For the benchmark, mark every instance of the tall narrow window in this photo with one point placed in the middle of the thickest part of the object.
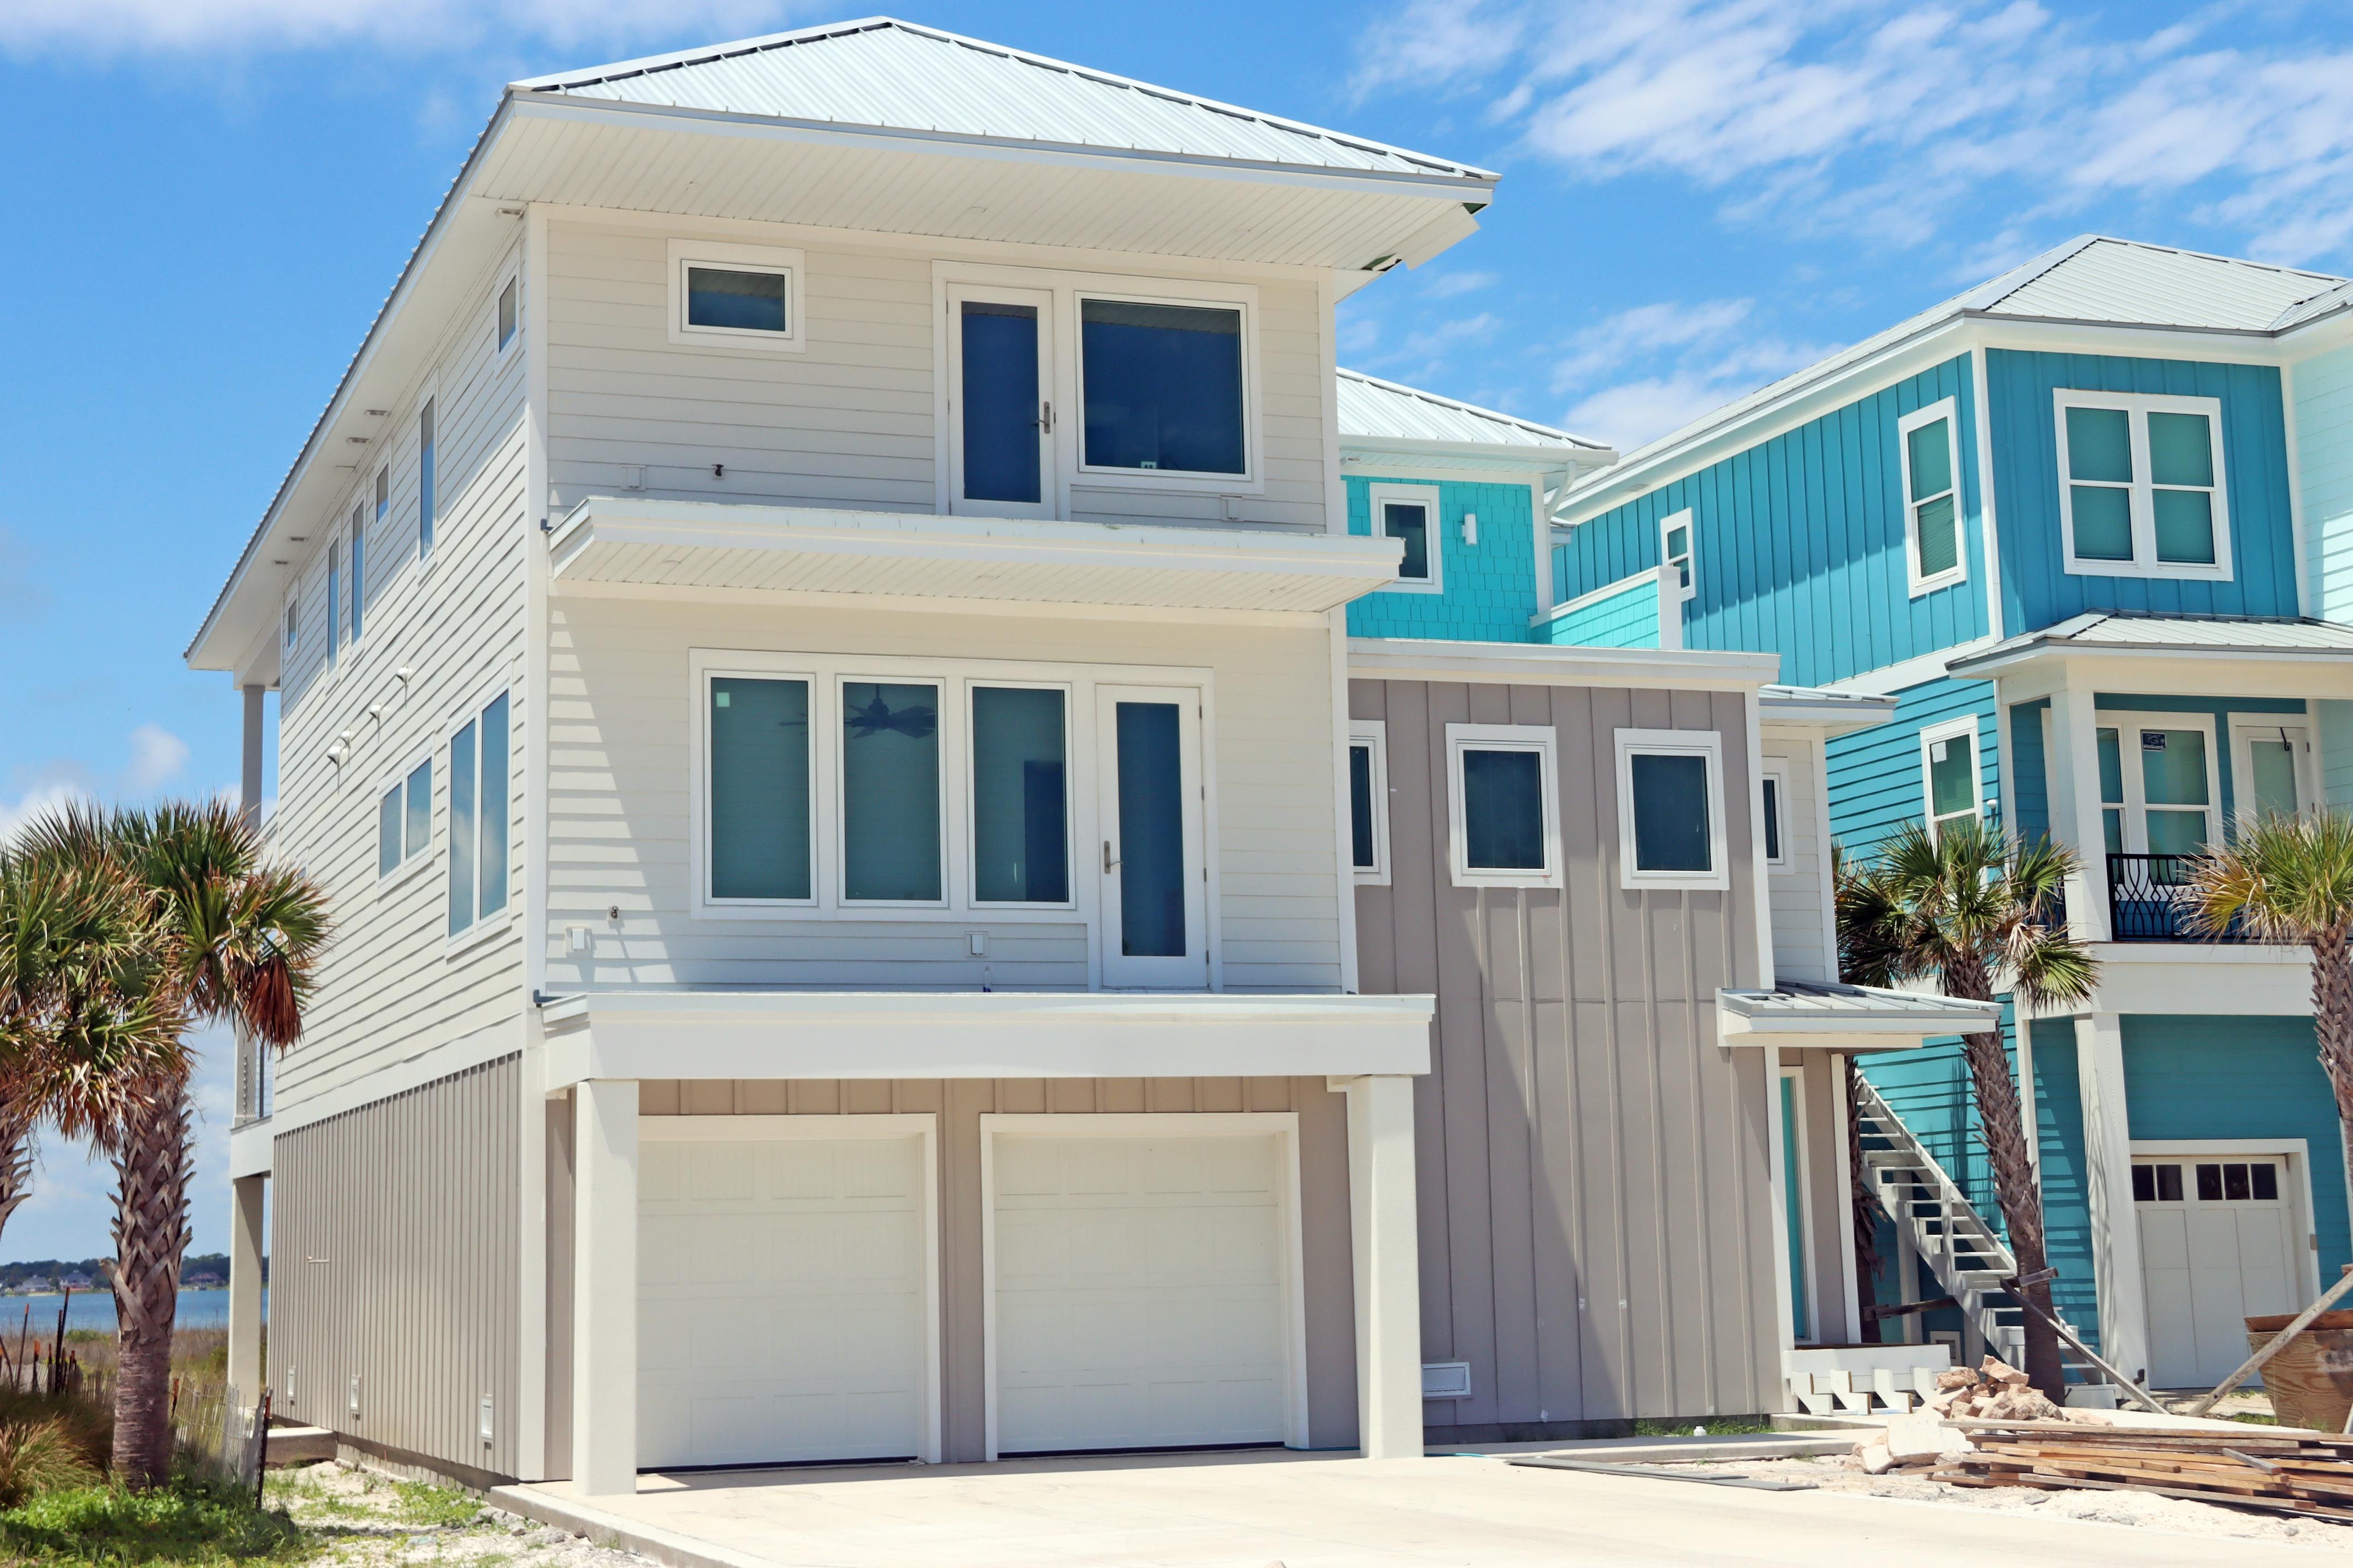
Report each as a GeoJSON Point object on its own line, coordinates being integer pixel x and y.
{"type": "Point", "coordinates": [759, 789]}
{"type": "Point", "coordinates": [1773, 788]}
{"type": "Point", "coordinates": [480, 801]}
{"type": "Point", "coordinates": [1163, 386]}
{"type": "Point", "coordinates": [1675, 550]}
{"type": "Point", "coordinates": [359, 566]}
{"type": "Point", "coordinates": [510, 312]}
{"type": "Point", "coordinates": [2112, 791]}
{"type": "Point", "coordinates": [890, 793]}
{"type": "Point", "coordinates": [1368, 805]}
{"type": "Point", "coordinates": [1020, 795]}
{"type": "Point", "coordinates": [1149, 743]}
{"type": "Point", "coordinates": [1948, 763]}
{"type": "Point", "coordinates": [2182, 487]}
{"type": "Point", "coordinates": [1005, 413]}
{"type": "Point", "coordinates": [293, 622]}
{"type": "Point", "coordinates": [334, 598]}
{"type": "Point", "coordinates": [425, 477]}
{"type": "Point", "coordinates": [1931, 466]}
{"type": "Point", "coordinates": [2141, 490]}
{"type": "Point", "coordinates": [1409, 513]}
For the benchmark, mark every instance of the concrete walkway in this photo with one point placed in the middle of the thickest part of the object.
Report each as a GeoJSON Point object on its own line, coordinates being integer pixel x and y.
{"type": "Point", "coordinates": [1305, 1511]}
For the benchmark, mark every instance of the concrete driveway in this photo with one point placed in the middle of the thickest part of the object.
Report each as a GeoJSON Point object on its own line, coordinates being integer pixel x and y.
{"type": "Point", "coordinates": [1305, 1511]}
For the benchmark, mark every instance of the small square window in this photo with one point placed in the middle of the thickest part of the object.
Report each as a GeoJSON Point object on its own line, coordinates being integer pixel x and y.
{"type": "Point", "coordinates": [736, 296]}
{"type": "Point", "coordinates": [1670, 829]}
{"type": "Point", "coordinates": [1502, 813]}
{"type": "Point", "coordinates": [1368, 803]}
{"type": "Point", "coordinates": [1409, 513]}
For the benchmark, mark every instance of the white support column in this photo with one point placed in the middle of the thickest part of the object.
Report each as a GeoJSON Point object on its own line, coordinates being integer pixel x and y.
{"type": "Point", "coordinates": [249, 789]}
{"type": "Point", "coordinates": [604, 1290]}
{"type": "Point", "coordinates": [2075, 809]}
{"type": "Point", "coordinates": [1381, 1219]}
{"type": "Point", "coordinates": [245, 1247]}
{"type": "Point", "coordinates": [2107, 1172]}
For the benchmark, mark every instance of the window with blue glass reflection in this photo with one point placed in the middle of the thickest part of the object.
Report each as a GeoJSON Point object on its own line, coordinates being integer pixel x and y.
{"type": "Point", "coordinates": [1164, 386]}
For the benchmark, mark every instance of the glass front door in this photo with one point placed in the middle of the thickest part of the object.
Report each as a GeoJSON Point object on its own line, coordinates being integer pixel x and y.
{"type": "Point", "coordinates": [1154, 897]}
{"type": "Point", "coordinates": [1001, 413]}
{"type": "Point", "coordinates": [2270, 770]}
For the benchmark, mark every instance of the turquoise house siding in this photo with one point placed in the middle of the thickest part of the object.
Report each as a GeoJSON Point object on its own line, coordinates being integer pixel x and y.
{"type": "Point", "coordinates": [2029, 763]}
{"type": "Point", "coordinates": [2066, 1195]}
{"type": "Point", "coordinates": [1629, 618]}
{"type": "Point", "coordinates": [1490, 587]}
{"type": "Point", "coordinates": [2030, 776]}
{"type": "Point", "coordinates": [1874, 775]}
{"type": "Point", "coordinates": [2037, 590]}
{"type": "Point", "coordinates": [2241, 1078]}
{"type": "Point", "coordinates": [1799, 542]}
{"type": "Point", "coordinates": [2324, 461]}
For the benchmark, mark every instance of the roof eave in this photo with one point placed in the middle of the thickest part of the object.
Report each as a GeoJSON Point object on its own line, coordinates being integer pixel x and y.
{"type": "Point", "coordinates": [1498, 454]}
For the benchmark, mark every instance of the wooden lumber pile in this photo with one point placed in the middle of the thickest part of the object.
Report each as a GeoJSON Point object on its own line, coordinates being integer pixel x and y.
{"type": "Point", "coordinates": [2284, 1470]}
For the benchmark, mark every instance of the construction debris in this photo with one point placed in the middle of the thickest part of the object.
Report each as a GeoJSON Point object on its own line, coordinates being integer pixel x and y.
{"type": "Point", "coordinates": [2281, 1469]}
{"type": "Point", "coordinates": [1993, 1391]}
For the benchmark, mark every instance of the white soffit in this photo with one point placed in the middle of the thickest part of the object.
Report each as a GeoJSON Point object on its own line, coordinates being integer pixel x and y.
{"type": "Point", "coordinates": [714, 546]}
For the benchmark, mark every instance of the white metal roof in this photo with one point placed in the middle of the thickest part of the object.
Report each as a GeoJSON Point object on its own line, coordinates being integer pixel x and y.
{"type": "Point", "coordinates": [1820, 1007]}
{"type": "Point", "coordinates": [882, 73]}
{"type": "Point", "coordinates": [1390, 410]}
{"type": "Point", "coordinates": [2106, 630]}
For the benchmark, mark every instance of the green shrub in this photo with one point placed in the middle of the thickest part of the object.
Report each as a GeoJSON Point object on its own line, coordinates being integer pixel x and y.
{"type": "Point", "coordinates": [190, 1521]}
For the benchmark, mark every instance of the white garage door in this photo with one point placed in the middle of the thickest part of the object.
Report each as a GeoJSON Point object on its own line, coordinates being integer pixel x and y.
{"type": "Point", "coordinates": [780, 1313]}
{"type": "Point", "coordinates": [1140, 1292]}
{"type": "Point", "coordinates": [2217, 1247]}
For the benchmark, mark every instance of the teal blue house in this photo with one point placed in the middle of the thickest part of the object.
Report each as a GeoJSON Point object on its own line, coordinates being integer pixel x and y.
{"type": "Point", "coordinates": [2090, 526]}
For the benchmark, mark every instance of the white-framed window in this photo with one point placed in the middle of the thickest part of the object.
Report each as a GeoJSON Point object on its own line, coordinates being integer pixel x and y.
{"type": "Point", "coordinates": [358, 562]}
{"type": "Point", "coordinates": [506, 314]}
{"type": "Point", "coordinates": [1773, 792]}
{"type": "Point", "coordinates": [428, 476]}
{"type": "Point", "coordinates": [403, 820]}
{"type": "Point", "coordinates": [334, 598]}
{"type": "Point", "coordinates": [1952, 786]}
{"type": "Point", "coordinates": [2274, 768]}
{"type": "Point", "coordinates": [1675, 550]}
{"type": "Point", "coordinates": [2160, 783]}
{"type": "Point", "coordinates": [736, 296]}
{"type": "Point", "coordinates": [1409, 513]}
{"type": "Point", "coordinates": [1502, 805]}
{"type": "Point", "coordinates": [480, 800]}
{"type": "Point", "coordinates": [1671, 818]}
{"type": "Point", "coordinates": [2141, 486]}
{"type": "Point", "coordinates": [1930, 447]}
{"type": "Point", "coordinates": [1164, 386]}
{"type": "Point", "coordinates": [293, 622]}
{"type": "Point", "coordinates": [1368, 800]}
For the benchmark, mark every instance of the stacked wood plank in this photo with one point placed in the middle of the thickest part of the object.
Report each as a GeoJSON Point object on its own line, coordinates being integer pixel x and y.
{"type": "Point", "coordinates": [2284, 1470]}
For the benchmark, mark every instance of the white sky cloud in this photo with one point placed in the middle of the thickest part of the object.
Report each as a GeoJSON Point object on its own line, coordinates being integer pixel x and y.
{"type": "Point", "coordinates": [156, 758]}
{"type": "Point", "coordinates": [1641, 373]}
{"type": "Point", "coordinates": [164, 26]}
{"type": "Point", "coordinates": [157, 755]}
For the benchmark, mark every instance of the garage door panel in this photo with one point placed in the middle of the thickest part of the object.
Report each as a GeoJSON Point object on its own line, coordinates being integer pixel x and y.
{"type": "Point", "coordinates": [2210, 1259]}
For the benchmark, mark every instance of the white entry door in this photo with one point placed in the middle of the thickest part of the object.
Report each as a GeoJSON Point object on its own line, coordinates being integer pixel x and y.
{"type": "Point", "coordinates": [2217, 1244]}
{"type": "Point", "coordinates": [1141, 1290]}
{"type": "Point", "coordinates": [781, 1303]}
{"type": "Point", "coordinates": [1155, 862]}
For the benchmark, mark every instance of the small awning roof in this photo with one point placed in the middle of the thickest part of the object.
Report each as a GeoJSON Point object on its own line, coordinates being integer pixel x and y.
{"type": "Point", "coordinates": [1844, 1017]}
{"type": "Point", "coordinates": [692, 546]}
{"type": "Point", "coordinates": [1837, 712]}
{"type": "Point", "coordinates": [2119, 634]}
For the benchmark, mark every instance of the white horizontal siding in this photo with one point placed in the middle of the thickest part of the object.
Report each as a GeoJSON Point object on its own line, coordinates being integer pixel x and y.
{"type": "Point", "coordinates": [620, 729]}
{"type": "Point", "coordinates": [1795, 890]}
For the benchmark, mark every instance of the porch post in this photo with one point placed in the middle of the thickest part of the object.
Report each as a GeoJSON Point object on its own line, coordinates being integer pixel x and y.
{"type": "Point", "coordinates": [605, 1294]}
{"type": "Point", "coordinates": [1381, 1222]}
{"type": "Point", "coordinates": [245, 1247]}
{"type": "Point", "coordinates": [249, 791]}
{"type": "Point", "coordinates": [2075, 809]}
{"type": "Point", "coordinates": [2107, 1181]}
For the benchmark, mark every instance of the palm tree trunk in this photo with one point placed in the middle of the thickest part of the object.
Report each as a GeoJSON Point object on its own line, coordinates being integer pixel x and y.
{"type": "Point", "coordinates": [2332, 1020]}
{"type": "Point", "coordinates": [151, 1236]}
{"type": "Point", "coordinates": [17, 1116]}
{"type": "Point", "coordinates": [2014, 1184]}
{"type": "Point", "coordinates": [1866, 1207]}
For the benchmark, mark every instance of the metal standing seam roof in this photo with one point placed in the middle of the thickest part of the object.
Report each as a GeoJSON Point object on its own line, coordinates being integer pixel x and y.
{"type": "Point", "coordinates": [1370, 407]}
{"type": "Point", "coordinates": [2171, 633]}
{"type": "Point", "coordinates": [882, 73]}
{"type": "Point", "coordinates": [1834, 1003]}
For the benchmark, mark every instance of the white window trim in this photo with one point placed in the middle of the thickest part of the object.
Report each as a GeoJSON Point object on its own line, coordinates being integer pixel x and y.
{"type": "Point", "coordinates": [2247, 727]}
{"type": "Point", "coordinates": [1053, 412]}
{"type": "Point", "coordinates": [1947, 410]}
{"type": "Point", "coordinates": [1544, 741]}
{"type": "Point", "coordinates": [2137, 407]}
{"type": "Point", "coordinates": [1704, 743]}
{"type": "Point", "coordinates": [1374, 735]}
{"type": "Point", "coordinates": [1074, 864]}
{"type": "Point", "coordinates": [482, 928]}
{"type": "Point", "coordinates": [1949, 729]}
{"type": "Point", "coordinates": [430, 397]}
{"type": "Point", "coordinates": [2127, 723]}
{"type": "Point", "coordinates": [511, 278]}
{"type": "Point", "coordinates": [412, 860]}
{"type": "Point", "coordinates": [1381, 494]}
{"type": "Point", "coordinates": [791, 264]}
{"type": "Point", "coordinates": [1670, 577]}
{"type": "Point", "coordinates": [1067, 393]}
{"type": "Point", "coordinates": [1774, 771]}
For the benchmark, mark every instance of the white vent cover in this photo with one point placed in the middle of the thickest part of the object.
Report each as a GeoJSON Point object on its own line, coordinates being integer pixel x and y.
{"type": "Point", "coordinates": [1446, 1380]}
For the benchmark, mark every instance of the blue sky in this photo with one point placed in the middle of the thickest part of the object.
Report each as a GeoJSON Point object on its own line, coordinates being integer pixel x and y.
{"type": "Point", "coordinates": [207, 199]}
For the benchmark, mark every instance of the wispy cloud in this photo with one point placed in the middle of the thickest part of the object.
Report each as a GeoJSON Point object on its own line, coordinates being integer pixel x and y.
{"type": "Point", "coordinates": [109, 27]}
{"type": "Point", "coordinates": [1641, 373]}
{"type": "Point", "coordinates": [1454, 285]}
{"type": "Point", "coordinates": [156, 758]}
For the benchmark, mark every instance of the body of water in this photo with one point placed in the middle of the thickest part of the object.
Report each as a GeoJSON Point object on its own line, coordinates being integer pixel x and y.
{"type": "Point", "coordinates": [94, 1309]}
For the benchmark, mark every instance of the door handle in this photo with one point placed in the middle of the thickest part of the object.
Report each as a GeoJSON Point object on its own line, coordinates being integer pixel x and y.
{"type": "Point", "coordinates": [1109, 859]}
{"type": "Point", "coordinates": [1046, 419]}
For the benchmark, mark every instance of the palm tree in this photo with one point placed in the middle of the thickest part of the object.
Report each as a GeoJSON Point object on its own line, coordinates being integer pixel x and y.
{"type": "Point", "coordinates": [2289, 879]}
{"type": "Point", "coordinates": [1969, 907]}
{"type": "Point", "coordinates": [237, 937]}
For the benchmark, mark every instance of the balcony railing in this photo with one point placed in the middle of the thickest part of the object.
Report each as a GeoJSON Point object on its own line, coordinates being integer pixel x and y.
{"type": "Point", "coordinates": [2149, 900]}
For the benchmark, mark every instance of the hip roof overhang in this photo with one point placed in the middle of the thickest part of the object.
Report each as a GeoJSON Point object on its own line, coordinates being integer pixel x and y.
{"type": "Point", "coordinates": [1540, 664]}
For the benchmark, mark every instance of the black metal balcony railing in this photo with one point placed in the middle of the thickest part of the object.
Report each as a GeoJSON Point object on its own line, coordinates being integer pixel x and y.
{"type": "Point", "coordinates": [2150, 900]}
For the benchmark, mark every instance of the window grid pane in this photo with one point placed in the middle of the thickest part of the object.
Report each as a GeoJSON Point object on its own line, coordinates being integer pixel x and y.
{"type": "Point", "coordinates": [1020, 819]}
{"type": "Point", "coordinates": [2185, 527]}
{"type": "Point", "coordinates": [494, 806]}
{"type": "Point", "coordinates": [1940, 544]}
{"type": "Point", "coordinates": [463, 848]}
{"type": "Point", "coordinates": [890, 792]}
{"type": "Point", "coordinates": [1164, 386]}
{"type": "Point", "coordinates": [2099, 445]}
{"type": "Point", "coordinates": [736, 301]}
{"type": "Point", "coordinates": [1930, 449]}
{"type": "Point", "coordinates": [2181, 451]}
{"type": "Point", "coordinates": [1671, 812]}
{"type": "Point", "coordinates": [759, 788]}
{"type": "Point", "coordinates": [419, 827]}
{"type": "Point", "coordinates": [1503, 810]}
{"type": "Point", "coordinates": [387, 832]}
{"type": "Point", "coordinates": [2102, 519]}
{"type": "Point", "coordinates": [1001, 403]}
{"type": "Point", "coordinates": [1952, 777]}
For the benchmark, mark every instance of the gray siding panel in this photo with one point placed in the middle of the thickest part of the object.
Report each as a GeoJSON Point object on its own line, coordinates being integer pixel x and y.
{"type": "Point", "coordinates": [393, 1249]}
{"type": "Point", "coordinates": [1595, 1224]}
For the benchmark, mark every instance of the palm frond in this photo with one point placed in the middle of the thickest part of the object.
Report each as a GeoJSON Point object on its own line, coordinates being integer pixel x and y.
{"type": "Point", "coordinates": [2284, 879]}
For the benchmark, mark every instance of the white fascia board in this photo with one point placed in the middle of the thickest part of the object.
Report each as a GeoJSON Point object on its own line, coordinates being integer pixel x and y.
{"type": "Point", "coordinates": [564, 107]}
{"type": "Point", "coordinates": [965, 1035]}
{"type": "Point", "coordinates": [1509, 455]}
{"type": "Point", "coordinates": [1536, 664]}
{"type": "Point", "coordinates": [1911, 1015]}
{"type": "Point", "coordinates": [2186, 671]}
{"type": "Point", "coordinates": [1832, 717]}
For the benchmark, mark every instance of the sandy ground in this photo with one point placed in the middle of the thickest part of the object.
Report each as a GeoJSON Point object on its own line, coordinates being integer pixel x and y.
{"type": "Point", "coordinates": [369, 1521]}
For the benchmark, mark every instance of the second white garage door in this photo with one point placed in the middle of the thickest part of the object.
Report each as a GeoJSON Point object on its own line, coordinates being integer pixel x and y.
{"type": "Point", "coordinates": [781, 1309]}
{"type": "Point", "coordinates": [1142, 1291]}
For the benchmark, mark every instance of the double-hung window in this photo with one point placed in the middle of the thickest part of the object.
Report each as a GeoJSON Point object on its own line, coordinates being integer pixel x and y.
{"type": "Point", "coordinates": [1671, 821]}
{"type": "Point", "coordinates": [1675, 550]}
{"type": "Point", "coordinates": [403, 820]}
{"type": "Point", "coordinates": [1409, 513]}
{"type": "Point", "coordinates": [1950, 785]}
{"type": "Point", "coordinates": [2141, 490]}
{"type": "Point", "coordinates": [425, 497]}
{"type": "Point", "coordinates": [480, 797]}
{"type": "Point", "coordinates": [1368, 800]}
{"type": "Point", "coordinates": [736, 296]}
{"type": "Point", "coordinates": [1503, 813]}
{"type": "Point", "coordinates": [1931, 465]}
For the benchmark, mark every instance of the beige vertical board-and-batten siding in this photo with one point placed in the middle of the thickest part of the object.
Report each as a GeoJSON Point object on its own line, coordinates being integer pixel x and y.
{"type": "Point", "coordinates": [620, 705]}
{"type": "Point", "coordinates": [1596, 1233]}
{"type": "Point", "coordinates": [392, 1259]}
{"type": "Point", "coordinates": [390, 988]}
{"type": "Point", "coordinates": [849, 421]}
{"type": "Point", "coordinates": [1328, 1289]}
